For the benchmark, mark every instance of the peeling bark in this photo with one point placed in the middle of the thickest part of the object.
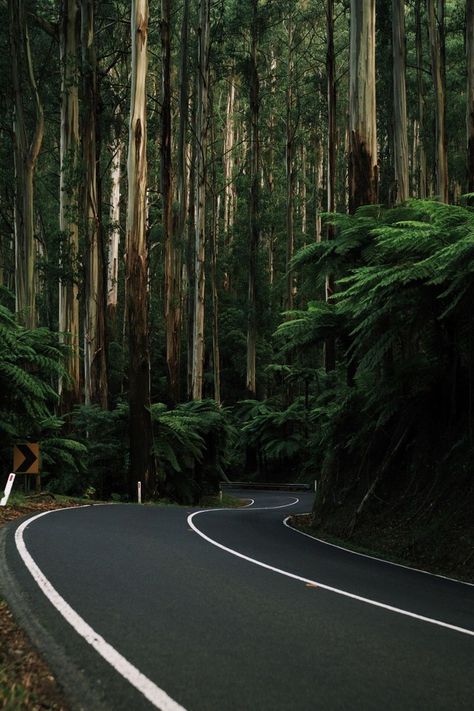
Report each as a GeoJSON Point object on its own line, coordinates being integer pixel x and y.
{"type": "Point", "coordinates": [400, 137]}
{"type": "Point", "coordinates": [363, 171]}
{"type": "Point", "coordinates": [137, 295]}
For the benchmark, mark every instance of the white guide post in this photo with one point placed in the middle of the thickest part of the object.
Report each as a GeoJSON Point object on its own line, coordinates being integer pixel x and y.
{"type": "Point", "coordinates": [8, 488]}
{"type": "Point", "coordinates": [139, 487]}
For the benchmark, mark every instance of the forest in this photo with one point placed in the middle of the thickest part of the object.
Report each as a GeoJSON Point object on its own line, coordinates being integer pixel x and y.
{"type": "Point", "coordinates": [237, 241]}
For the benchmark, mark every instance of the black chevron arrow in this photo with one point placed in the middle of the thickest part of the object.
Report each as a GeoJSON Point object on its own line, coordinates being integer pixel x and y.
{"type": "Point", "coordinates": [30, 458]}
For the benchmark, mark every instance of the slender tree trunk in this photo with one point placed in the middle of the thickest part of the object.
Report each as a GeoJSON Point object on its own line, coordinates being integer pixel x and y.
{"type": "Point", "coordinates": [26, 152]}
{"type": "Point", "coordinates": [363, 172]}
{"type": "Point", "coordinates": [69, 390]}
{"type": "Point", "coordinates": [190, 250]}
{"type": "Point", "coordinates": [290, 171]}
{"type": "Point", "coordinates": [214, 237]}
{"type": "Point", "coordinates": [330, 345]}
{"type": "Point", "coordinates": [436, 33]}
{"type": "Point", "coordinates": [421, 152]}
{"type": "Point", "coordinates": [182, 187]}
{"type": "Point", "coordinates": [172, 265]}
{"type": "Point", "coordinates": [400, 137]}
{"type": "Point", "coordinates": [228, 162]}
{"type": "Point", "coordinates": [95, 344]}
{"type": "Point", "coordinates": [200, 205]}
{"type": "Point", "coordinates": [303, 194]}
{"type": "Point", "coordinates": [470, 93]}
{"type": "Point", "coordinates": [114, 236]}
{"type": "Point", "coordinates": [254, 206]}
{"type": "Point", "coordinates": [141, 462]}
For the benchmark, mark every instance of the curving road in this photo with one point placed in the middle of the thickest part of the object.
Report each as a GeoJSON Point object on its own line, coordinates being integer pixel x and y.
{"type": "Point", "coordinates": [172, 608]}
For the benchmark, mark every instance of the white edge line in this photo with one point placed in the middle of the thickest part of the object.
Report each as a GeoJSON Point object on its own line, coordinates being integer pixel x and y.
{"type": "Point", "coordinates": [156, 696]}
{"type": "Point", "coordinates": [316, 583]}
{"type": "Point", "coordinates": [372, 557]}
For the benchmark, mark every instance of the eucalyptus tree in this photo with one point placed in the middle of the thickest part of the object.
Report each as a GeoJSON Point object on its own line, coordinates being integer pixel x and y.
{"type": "Point", "coordinates": [201, 137]}
{"type": "Point", "coordinates": [95, 340]}
{"type": "Point", "coordinates": [172, 261]}
{"type": "Point", "coordinates": [400, 138]}
{"type": "Point", "coordinates": [330, 345]}
{"type": "Point", "coordinates": [470, 93]}
{"type": "Point", "coordinates": [436, 27]}
{"type": "Point", "coordinates": [137, 296]}
{"type": "Point", "coordinates": [69, 388]}
{"type": "Point", "coordinates": [363, 172]}
{"type": "Point", "coordinates": [254, 198]}
{"type": "Point", "coordinates": [27, 146]}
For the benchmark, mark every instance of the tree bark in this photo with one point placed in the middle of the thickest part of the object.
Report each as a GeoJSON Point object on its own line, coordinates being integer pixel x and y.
{"type": "Point", "coordinates": [140, 429]}
{"type": "Point", "coordinates": [421, 152]}
{"type": "Point", "coordinates": [254, 206]}
{"type": "Point", "coordinates": [437, 46]}
{"type": "Point", "coordinates": [69, 326]}
{"type": "Point", "coordinates": [290, 171]}
{"type": "Point", "coordinates": [95, 342]}
{"type": "Point", "coordinates": [172, 266]}
{"type": "Point", "coordinates": [114, 236]}
{"type": "Point", "coordinates": [400, 133]}
{"type": "Point", "coordinates": [330, 345]}
{"type": "Point", "coordinates": [470, 93]}
{"type": "Point", "coordinates": [363, 171]}
{"type": "Point", "coordinates": [26, 152]}
{"type": "Point", "coordinates": [200, 205]}
{"type": "Point", "coordinates": [228, 162]}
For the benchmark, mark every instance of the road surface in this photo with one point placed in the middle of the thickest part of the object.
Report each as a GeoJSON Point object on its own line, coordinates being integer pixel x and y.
{"type": "Point", "coordinates": [222, 610]}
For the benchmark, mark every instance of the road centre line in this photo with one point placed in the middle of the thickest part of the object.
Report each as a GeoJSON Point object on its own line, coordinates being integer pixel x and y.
{"type": "Point", "coordinates": [156, 696]}
{"type": "Point", "coordinates": [371, 557]}
{"type": "Point", "coordinates": [337, 591]}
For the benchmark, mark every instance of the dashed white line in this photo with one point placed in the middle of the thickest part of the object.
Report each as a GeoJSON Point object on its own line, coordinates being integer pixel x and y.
{"type": "Point", "coordinates": [309, 581]}
{"type": "Point", "coordinates": [156, 696]}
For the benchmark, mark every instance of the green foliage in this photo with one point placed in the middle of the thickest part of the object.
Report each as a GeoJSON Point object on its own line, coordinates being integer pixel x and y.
{"type": "Point", "coordinates": [30, 364]}
{"type": "Point", "coordinates": [191, 444]}
{"type": "Point", "coordinates": [402, 321]}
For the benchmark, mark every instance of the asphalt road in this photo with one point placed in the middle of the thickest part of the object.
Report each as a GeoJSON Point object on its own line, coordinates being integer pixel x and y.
{"type": "Point", "coordinates": [179, 604]}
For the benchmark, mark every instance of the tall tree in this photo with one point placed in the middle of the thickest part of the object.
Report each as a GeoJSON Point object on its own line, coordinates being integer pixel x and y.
{"type": "Point", "coordinates": [26, 152]}
{"type": "Point", "coordinates": [436, 27]}
{"type": "Point", "coordinates": [419, 137]}
{"type": "Point", "coordinates": [254, 202]}
{"type": "Point", "coordinates": [470, 93]}
{"type": "Point", "coordinates": [172, 266]}
{"type": "Point", "coordinates": [202, 109]}
{"type": "Point", "coordinates": [69, 390]}
{"type": "Point", "coordinates": [400, 134]}
{"type": "Point", "coordinates": [141, 463]}
{"type": "Point", "coordinates": [291, 127]}
{"type": "Point", "coordinates": [330, 345]}
{"type": "Point", "coordinates": [116, 148]}
{"type": "Point", "coordinates": [363, 172]}
{"type": "Point", "coordinates": [95, 342]}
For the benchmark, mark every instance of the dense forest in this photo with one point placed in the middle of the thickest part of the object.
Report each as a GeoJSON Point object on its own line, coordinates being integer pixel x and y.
{"type": "Point", "coordinates": [237, 240]}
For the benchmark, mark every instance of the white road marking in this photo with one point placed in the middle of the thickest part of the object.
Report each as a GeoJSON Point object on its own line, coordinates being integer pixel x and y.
{"type": "Point", "coordinates": [372, 557]}
{"type": "Point", "coordinates": [302, 579]}
{"type": "Point", "coordinates": [156, 696]}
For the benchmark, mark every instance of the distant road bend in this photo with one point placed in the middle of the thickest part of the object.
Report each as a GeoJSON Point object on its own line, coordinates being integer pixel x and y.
{"type": "Point", "coordinates": [140, 607]}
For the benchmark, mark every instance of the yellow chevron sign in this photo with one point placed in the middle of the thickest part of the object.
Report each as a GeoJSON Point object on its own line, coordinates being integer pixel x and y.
{"type": "Point", "coordinates": [26, 458]}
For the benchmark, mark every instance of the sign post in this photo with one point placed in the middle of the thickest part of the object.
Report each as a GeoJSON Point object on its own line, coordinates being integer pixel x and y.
{"type": "Point", "coordinates": [26, 460]}
{"type": "Point", "coordinates": [8, 488]}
